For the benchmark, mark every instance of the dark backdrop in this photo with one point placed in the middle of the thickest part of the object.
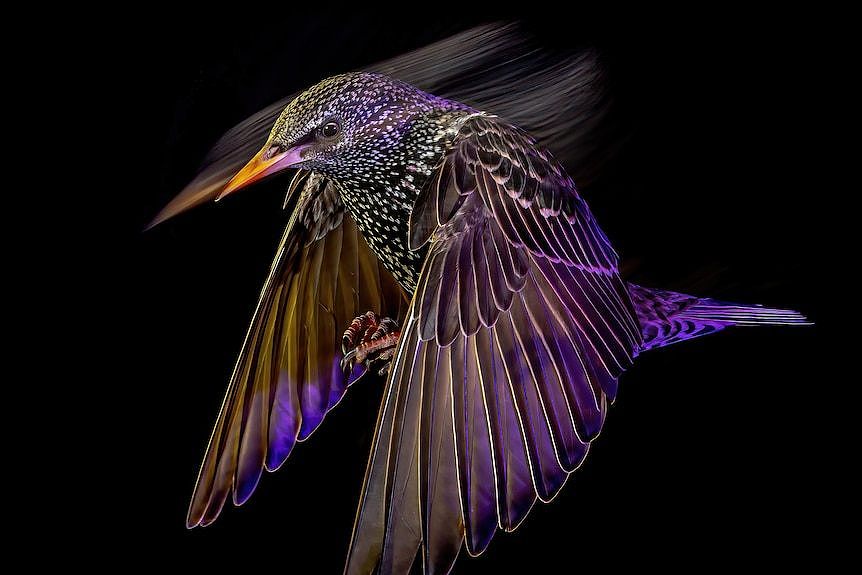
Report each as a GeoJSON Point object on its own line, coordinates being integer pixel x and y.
{"type": "Point", "coordinates": [708, 454]}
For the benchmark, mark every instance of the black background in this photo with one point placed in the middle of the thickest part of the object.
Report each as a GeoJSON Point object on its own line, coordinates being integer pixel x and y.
{"type": "Point", "coordinates": [708, 455]}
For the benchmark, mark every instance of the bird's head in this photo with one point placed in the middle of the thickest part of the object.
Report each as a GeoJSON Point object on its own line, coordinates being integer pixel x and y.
{"type": "Point", "coordinates": [345, 127]}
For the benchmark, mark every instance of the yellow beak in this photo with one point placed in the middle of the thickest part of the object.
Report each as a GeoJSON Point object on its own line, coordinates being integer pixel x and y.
{"type": "Point", "coordinates": [263, 164]}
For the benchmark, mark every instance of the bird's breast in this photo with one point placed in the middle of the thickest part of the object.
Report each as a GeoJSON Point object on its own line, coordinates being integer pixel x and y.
{"type": "Point", "coordinates": [382, 200]}
{"type": "Point", "coordinates": [383, 217]}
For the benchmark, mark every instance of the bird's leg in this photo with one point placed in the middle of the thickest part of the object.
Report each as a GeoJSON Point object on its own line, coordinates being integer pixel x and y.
{"type": "Point", "coordinates": [369, 340]}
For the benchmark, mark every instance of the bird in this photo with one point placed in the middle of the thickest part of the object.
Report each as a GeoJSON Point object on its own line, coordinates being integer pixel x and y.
{"type": "Point", "coordinates": [446, 248]}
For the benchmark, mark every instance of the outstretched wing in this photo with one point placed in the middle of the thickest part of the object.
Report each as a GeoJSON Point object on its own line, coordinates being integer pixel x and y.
{"type": "Point", "coordinates": [515, 338]}
{"type": "Point", "coordinates": [288, 376]}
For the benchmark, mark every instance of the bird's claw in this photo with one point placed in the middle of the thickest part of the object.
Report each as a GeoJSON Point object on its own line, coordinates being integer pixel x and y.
{"type": "Point", "coordinates": [369, 340]}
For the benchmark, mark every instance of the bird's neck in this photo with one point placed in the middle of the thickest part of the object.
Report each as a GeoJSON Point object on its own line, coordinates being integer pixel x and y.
{"type": "Point", "coordinates": [381, 200]}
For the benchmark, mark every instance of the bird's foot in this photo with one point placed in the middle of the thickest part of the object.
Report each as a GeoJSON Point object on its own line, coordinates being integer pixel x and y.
{"type": "Point", "coordinates": [370, 341]}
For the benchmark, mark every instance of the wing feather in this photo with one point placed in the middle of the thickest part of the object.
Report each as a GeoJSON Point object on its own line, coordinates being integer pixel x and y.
{"type": "Point", "coordinates": [519, 327]}
{"type": "Point", "coordinates": [515, 492]}
{"type": "Point", "coordinates": [438, 481]}
{"type": "Point", "coordinates": [473, 451]}
{"type": "Point", "coordinates": [548, 476]}
{"type": "Point", "coordinates": [288, 376]}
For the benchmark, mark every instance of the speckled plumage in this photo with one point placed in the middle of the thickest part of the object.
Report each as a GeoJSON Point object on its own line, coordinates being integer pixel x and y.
{"type": "Point", "coordinates": [518, 326]}
{"type": "Point", "coordinates": [394, 136]}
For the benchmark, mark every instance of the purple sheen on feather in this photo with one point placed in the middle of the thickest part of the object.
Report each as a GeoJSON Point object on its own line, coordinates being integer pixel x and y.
{"type": "Point", "coordinates": [337, 383]}
{"type": "Point", "coordinates": [310, 421]}
{"type": "Point", "coordinates": [245, 487]}
{"type": "Point", "coordinates": [358, 371]}
{"type": "Point", "coordinates": [283, 423]}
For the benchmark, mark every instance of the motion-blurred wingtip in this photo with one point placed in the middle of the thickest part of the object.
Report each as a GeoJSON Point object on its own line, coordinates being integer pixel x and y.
{"type": "Point", "coordinates": [154, 222]}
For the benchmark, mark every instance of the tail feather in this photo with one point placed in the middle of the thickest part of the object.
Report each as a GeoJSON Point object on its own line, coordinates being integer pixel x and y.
{"type": "Point", "coordinates": [668, 317]}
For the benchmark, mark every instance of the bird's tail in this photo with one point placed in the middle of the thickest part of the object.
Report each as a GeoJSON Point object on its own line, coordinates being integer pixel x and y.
{"type": "Point", "coordinates": [668, 317]}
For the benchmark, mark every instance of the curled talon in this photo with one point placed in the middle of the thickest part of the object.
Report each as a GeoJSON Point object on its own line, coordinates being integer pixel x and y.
{"type": "Point", "coordinates": [359, 327]}
{"type": "Point", "coordinates": [369, 339]}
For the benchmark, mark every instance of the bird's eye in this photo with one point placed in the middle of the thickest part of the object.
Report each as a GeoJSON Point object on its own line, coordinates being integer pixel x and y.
{"type": "Point", "coordinates": [329, 129]}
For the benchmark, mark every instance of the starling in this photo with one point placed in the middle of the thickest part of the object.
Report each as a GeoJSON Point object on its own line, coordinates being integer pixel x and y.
{"type": "Point", "coordinates": [463, 262]}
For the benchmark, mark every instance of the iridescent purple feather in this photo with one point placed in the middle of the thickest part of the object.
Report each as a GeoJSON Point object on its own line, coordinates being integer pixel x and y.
{"type": "Point", "coordinates": [668, 317]}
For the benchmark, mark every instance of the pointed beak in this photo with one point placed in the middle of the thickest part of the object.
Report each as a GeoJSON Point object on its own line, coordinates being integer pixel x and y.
{"type": "Point", "coordinates": [268, 161]}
